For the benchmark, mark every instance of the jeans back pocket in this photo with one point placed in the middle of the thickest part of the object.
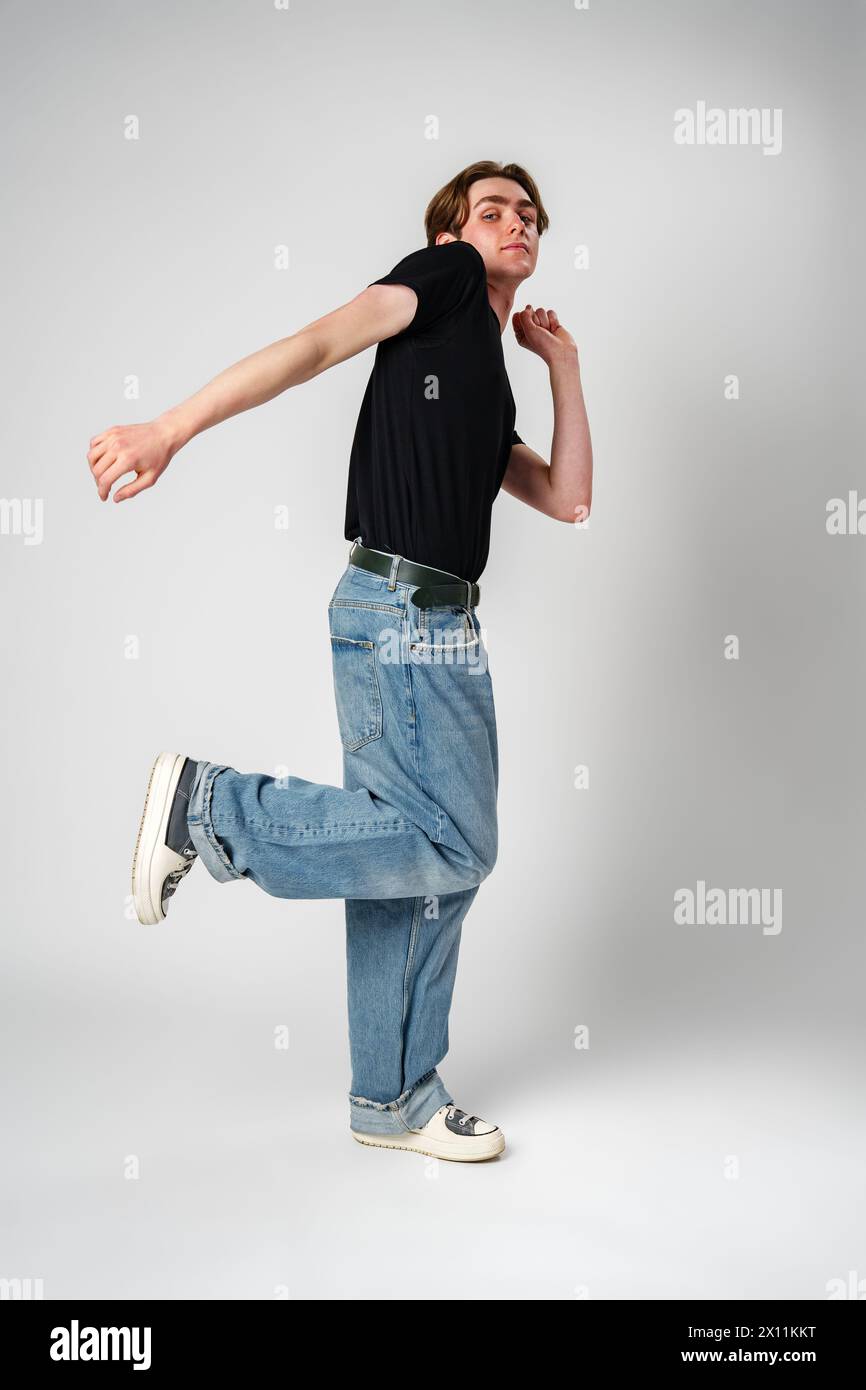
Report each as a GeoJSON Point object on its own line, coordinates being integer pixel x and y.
{"type": "Point", "coordinates": [356, 688]}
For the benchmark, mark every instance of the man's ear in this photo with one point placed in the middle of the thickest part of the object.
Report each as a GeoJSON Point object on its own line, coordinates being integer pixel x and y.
{"type": "Point", "coordinates": [443, 237]}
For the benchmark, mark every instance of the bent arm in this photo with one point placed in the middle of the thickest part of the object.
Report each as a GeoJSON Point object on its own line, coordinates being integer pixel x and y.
{"type": "Point", "coordinates": [561, 489]}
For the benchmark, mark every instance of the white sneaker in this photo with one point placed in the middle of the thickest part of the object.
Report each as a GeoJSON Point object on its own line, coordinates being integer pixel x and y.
{"type": "Point", "coordinates": [450, 1133]}
{"type": "Point", "coordinates": [164, 851]}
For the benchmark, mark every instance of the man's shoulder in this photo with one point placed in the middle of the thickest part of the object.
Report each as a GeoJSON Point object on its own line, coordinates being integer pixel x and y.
{"type": "Point", "coordinates": [467, 258]}
{"type": "Point", "coordinates": [449, 281]}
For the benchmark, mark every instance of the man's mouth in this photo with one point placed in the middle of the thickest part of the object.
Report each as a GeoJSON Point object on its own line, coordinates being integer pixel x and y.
{"type": "Point", "coordinates": [516, 246]}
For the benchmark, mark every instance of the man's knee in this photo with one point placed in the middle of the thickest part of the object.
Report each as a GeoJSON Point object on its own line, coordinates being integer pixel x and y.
{"type": "Point", "coordinates": [487, 860]}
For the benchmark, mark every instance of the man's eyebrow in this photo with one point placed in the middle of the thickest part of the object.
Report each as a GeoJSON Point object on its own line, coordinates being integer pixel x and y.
{"type": "Point", "coordinates": [497, 198]}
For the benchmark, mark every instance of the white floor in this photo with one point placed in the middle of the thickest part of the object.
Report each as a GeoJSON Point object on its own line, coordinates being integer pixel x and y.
{"type": "Point", "coordinates": [619, 1181]}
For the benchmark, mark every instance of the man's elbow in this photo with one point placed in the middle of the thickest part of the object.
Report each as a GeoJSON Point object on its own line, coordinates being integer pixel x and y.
{"type": "Point", "coordinates": [574, 514]}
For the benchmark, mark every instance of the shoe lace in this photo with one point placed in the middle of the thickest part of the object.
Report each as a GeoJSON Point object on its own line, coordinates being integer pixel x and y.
{"type": "Point", "coordinates": [460, 1115]}
{"type": "Point", "coordinates": [174, 878]}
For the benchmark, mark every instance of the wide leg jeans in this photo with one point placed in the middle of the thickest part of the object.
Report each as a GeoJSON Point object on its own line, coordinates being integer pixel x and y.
{"type": "Point", "coordinates": [406, 840]}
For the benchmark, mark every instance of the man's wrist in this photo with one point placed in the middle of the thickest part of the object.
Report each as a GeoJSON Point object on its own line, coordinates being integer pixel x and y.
{"type": "Point", "coordinates": [175, 428]}
{"type": "Point", "coordinates": [566, 362]}
{"type": "Point", "coordinates": [564, 372]}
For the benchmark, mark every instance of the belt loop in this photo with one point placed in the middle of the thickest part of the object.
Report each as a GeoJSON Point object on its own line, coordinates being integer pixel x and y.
{"type": "Point", "coordinates": [392, 577]}
{"type": "Point", "coordinates": [468, 594]}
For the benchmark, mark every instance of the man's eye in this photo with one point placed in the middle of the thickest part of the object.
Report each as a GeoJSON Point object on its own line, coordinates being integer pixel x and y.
{"type": "Point", "coordinates": [529, 219]}
{"type": "Point", "coordinates": [487, 214]}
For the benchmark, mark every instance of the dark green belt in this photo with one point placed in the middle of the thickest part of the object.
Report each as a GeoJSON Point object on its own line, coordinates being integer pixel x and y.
{"type": "Point", "coordinates": [437, 587]}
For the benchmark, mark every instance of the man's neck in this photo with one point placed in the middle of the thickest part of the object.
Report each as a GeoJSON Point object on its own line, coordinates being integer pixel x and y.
{"type": "Point", "coordinates": [501, 299]}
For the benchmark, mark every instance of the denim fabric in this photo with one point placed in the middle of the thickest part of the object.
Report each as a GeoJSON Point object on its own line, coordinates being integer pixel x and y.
{"type": "Point", "coordinates": [406, 840]}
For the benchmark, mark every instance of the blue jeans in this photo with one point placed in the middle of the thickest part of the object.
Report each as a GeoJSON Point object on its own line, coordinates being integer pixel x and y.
{"type": "Point", "coordinates": [406, 840]}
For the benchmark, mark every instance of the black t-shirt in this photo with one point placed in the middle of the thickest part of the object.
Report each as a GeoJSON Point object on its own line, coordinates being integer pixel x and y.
{"type": "Point", "coordinates": [437, 420]}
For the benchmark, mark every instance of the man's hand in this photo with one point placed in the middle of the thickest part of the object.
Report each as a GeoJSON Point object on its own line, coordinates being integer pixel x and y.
{"type": "Point", "coordinates": [145, 450]}
{"type": "Point", "coordinates": [540, 331]}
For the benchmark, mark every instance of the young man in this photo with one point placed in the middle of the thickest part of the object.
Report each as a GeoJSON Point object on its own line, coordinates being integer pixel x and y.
{"type": "Point", "coordinates": [412, 832]}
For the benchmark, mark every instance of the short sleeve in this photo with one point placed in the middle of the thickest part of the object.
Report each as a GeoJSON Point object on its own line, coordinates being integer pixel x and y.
{"type": "Point", "coordinates": [443, 277]}
{"type": "Point", "coordinates": [515, 438]}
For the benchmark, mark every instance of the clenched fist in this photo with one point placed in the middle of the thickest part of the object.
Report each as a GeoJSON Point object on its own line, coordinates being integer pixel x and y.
{"type": "Point", "coordinates": [539, 331]}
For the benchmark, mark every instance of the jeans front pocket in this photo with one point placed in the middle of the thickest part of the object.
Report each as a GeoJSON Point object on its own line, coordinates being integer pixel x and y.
{"type": "Point", "coordinates": [447, 629]}
{"type": "Point", "coordinates": [356, 687]}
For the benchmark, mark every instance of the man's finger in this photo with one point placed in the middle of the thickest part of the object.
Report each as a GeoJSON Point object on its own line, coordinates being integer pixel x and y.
{"type": "Point", "coordinates": [105, 462]}
{"type": "Point", "coordinates": [96, 453]}
{"type": "Point", "coordinates": [111, 475]}
{"type": "Point", "coordinates": [142, 481]}
{"type": "Point", "coordinates": [530, 320]}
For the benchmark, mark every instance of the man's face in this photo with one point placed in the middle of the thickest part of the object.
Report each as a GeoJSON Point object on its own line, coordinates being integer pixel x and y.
{"type": "Point", "coordinates": [502, 226]}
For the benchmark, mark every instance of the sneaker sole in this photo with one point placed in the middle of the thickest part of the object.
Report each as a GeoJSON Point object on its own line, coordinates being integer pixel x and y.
{"type": "Point", "coordinates": [164, 777]}
{"type": "Point", "coordinates": [417, 1144]}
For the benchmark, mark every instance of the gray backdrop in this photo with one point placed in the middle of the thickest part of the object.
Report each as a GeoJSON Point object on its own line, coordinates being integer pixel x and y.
{"type": "Point", "coordinates": [708, 1141]}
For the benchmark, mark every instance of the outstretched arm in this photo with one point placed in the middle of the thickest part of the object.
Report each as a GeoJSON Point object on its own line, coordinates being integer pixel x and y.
{"type": "Point", "coordinates": [561, 489]}
{"type": "Point", "coordinates": [376, 313]}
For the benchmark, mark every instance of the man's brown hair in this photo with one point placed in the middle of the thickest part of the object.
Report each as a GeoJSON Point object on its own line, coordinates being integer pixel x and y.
{"type": "Point", "coordinates": [448, 209]}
